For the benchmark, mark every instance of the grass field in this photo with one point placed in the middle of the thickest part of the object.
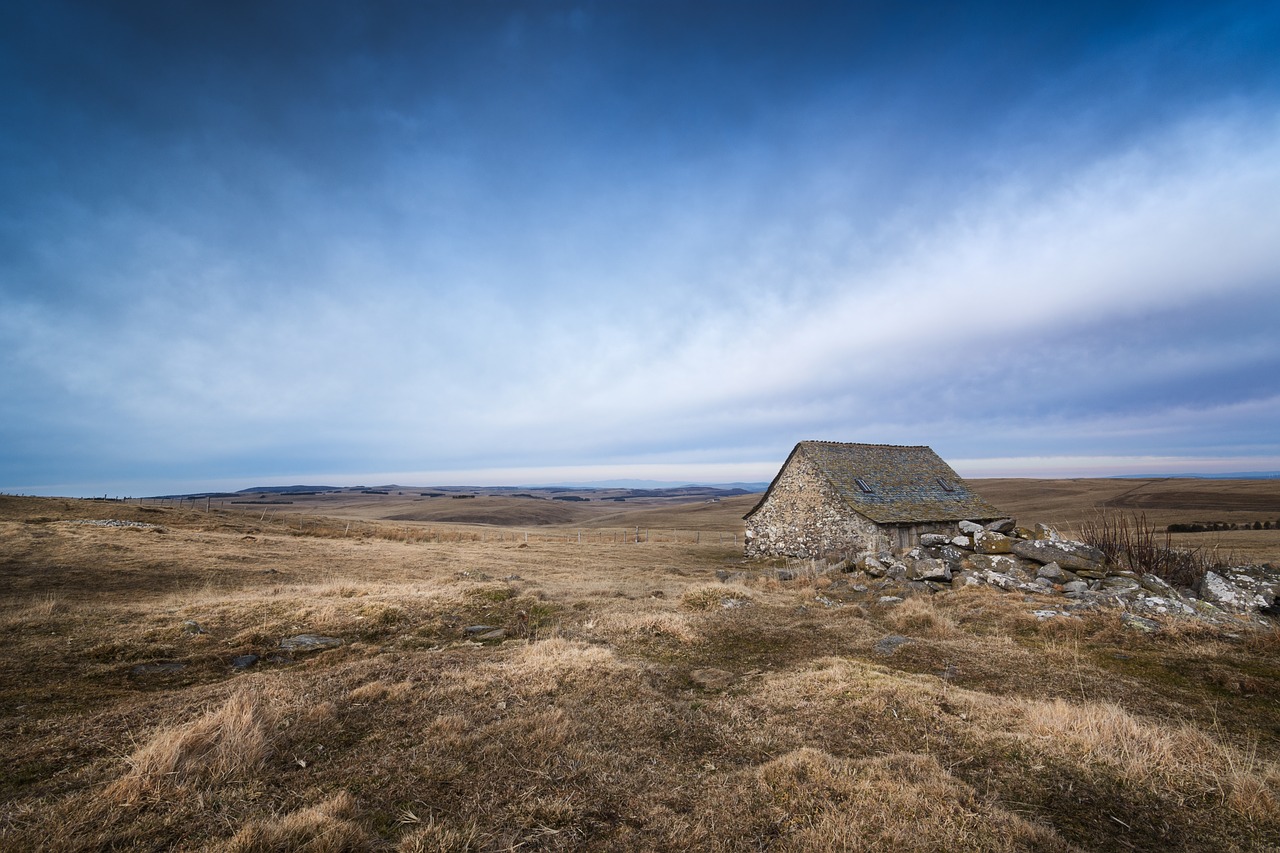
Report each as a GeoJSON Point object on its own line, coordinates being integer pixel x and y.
{"type": "Point", "coordinates": [633, 702]}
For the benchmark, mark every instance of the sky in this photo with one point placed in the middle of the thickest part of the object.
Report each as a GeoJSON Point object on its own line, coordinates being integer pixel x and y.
{"type": "Point", "coordinates": [527, 242]}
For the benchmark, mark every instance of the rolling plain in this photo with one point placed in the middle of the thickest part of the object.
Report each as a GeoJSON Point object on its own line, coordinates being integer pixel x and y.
{"type": "Point", "coordinates": [412, 672]}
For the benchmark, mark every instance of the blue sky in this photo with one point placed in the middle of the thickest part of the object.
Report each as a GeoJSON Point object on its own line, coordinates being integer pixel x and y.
{"type": "Point", "coordinates": [525, 242]}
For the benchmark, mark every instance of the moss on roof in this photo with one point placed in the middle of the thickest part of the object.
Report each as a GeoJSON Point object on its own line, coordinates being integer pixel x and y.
{"type": "Point", "coordinates": [899, 485]}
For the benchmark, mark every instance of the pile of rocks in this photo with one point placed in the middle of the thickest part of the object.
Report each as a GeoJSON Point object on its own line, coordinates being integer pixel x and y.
{"type": "Point", "coordinates": [1067, 575]}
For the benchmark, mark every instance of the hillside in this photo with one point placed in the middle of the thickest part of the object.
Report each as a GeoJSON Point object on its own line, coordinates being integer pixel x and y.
{"type": "Point", "coordinates": [261, 678]}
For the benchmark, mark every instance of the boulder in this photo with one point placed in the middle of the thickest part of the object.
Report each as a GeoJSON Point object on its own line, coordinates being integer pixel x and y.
{"type": "Point", "coordinates": [962, 542]}
{"type": "Point", "coordinates": [1003, 525]}
{"type": "Point", "coordinates": [1076, 556]}
{"type": "Point", "coordinates": [928, 569]}
{"type": "Point", "coordinates": [1044, 531]}
{"type": "Point", "coordinates": [309, 643]}
{"type": "Point", "coordinates": [1139, 623]}
{"type": "Point", "coordinates": [971, 527]}
{"type": "Point", "coordinates": [999, 580]}
{"type": "Point", "coordinates": [1219, 591]}
{"type": "Point", "coordinates": [888, 645]}
{"type": "Point", "coordinates": [1052, 572]}
{"type": "Point", "coordinates": [990, 542]}
{"type": "Point", "coordinates": [932, 540]}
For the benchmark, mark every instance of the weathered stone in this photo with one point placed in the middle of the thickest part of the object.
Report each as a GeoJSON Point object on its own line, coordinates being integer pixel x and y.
{"type": "Point", "coordinates": [495, 635]}
{"type": "Point", "coordinates": [933, 539]}
{"type": "Point", "coordinates": [999, 580]}
{"type": "Point", "coordinates": [928, 569]}
{"type": "Point", "coordinates": [243, 661]}
{"type": "Point", "coordinates": [890, 599]}
{"type": "Point", "coordinates": [991, 562]}
{"type": "Point", "coordinates": [1220, 591]}
{"type": "Point", "coordinates": [872, 566]}
{"type": "Point", "coordinates": [785, 575]}
{"type": "Point", "coordinates": [971, 527]}
{"type": "Point", "coordinates": [962, 579]}
{"type": "Point", "coordinates": [1053, 572]}
{"type": "Point", "coordinates": [1075, 587]}
{"type": "Point", "coordinates": [1003, 525]}
{"type": "Point", "coordinates": [191, 626]}
{"type": "Point", "coordinates": [309, 643]}
{"type": "Point", "coordinates": [962, 542]}
{"type": "Point", "coordinates": [990, 542]}
{"type": "Point", "coordinates": [1139, 623]}
{"type": "Point", "coordinates": [1092, 574]}
{"type": "Point", "coordinates": [890, 644]}
{"type": "Point", "coordinates": [1114, 582]}
{"type": "Point", "coordinates": [1045, 532]}
{"type": "Point", "coordinates": [1024, 533]}
{"type": "Point", "coordinates": [1076, 556]}
{"type": "Point", "coordinates": [895, 570]}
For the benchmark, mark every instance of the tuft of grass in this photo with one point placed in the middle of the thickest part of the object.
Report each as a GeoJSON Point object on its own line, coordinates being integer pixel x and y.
{"type": "Point", "coordinates": [228, 742]}
{"type": "Point", "coordinates": [716, 596]}
{"type": "Point", "coordinates": [327, 827]}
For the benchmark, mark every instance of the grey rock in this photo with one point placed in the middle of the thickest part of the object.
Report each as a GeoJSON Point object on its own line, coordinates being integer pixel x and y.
{"type": "Point", "coordinates": [1221, 592]}
{"type": "Point", "coordinates": [990, 542]}
{"type": "Point", "coordinates": [1114, 582]}
{"type": "Point", "coordinates": [971, 527]}
{"type": "Point", "coordinates": [998, 580]}
{"type": "Point", "coordinates": [932, 540]}
{"type": "Point", "coordinates": [872, 566]}
{"type": "Point", "coordinates": [1076, 556]}
{"type": "Point", "coordinates": [1139, 623]}
{"type": "Point", "coordinates": [962, 542]}
{"type": "Point", "coordinates": [309, 643]}
{"type": "Point", "coordinates": [928, 569]}
{"type": "Point", "coordinates": [890, 644]}
{"type": "Point", "coordinates": [785, 575]}
{"type": "Point", "coordinates": [1075, 586]}
{"type": "Point", "coordinates": [890, 599]}
{"type": "Point", "coordinates": [243, 661]}
{"type": "Point", "coordinates": [1003, 525]}
{"type": "Point", "coordinates": [1045, 532]}
{"type": "Point", "coordinates": [1052, 572]}
{"type": "Point", "coordinates": [491, 636]}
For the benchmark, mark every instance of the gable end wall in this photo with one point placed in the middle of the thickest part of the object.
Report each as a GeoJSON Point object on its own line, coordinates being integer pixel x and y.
{"type": "Point", "coordinates": [803, 516]}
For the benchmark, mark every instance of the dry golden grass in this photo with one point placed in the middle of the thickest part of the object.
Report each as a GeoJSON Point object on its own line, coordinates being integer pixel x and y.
{"type": "Point", "coordinates": [226, 743]}
{"type": "Point", "coordinates": [627, 707]}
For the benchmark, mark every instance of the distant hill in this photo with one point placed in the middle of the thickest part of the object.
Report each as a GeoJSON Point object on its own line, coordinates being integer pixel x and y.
{"type": "Point", "coordinates": [1237, 475]}
{"type": "Point", "coordinates": [289, 490]}
{"type": "Point", "coordinates": [650, 485]}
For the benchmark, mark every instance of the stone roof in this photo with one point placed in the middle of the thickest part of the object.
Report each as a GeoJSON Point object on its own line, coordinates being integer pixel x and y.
{"type": "Point", "coordinates": [899, 485]}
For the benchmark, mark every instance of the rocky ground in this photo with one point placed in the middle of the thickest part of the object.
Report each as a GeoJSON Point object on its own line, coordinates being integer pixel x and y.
{"type": "Point", "coordinates": [1058, 577]}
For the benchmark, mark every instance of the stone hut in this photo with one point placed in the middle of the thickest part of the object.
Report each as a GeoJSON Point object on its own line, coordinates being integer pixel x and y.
{"type": "Point", "coordinates": [835, 498]}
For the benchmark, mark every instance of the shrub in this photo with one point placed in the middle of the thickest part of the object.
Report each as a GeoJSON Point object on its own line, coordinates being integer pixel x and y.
{"type": "Point", "coordinates": [1134, 543]}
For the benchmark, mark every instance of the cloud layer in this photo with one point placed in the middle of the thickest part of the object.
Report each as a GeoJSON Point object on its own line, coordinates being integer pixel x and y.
{"type": "Point", "coordinates": [509, 240]}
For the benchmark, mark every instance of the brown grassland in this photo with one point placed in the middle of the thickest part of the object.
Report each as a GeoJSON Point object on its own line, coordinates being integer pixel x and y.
{"type": "Point", "coordinates": [636, 702]}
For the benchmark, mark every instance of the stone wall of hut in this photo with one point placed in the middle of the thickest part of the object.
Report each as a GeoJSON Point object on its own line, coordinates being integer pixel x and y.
{"type": "Point", "coordinates": [804, 517]}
